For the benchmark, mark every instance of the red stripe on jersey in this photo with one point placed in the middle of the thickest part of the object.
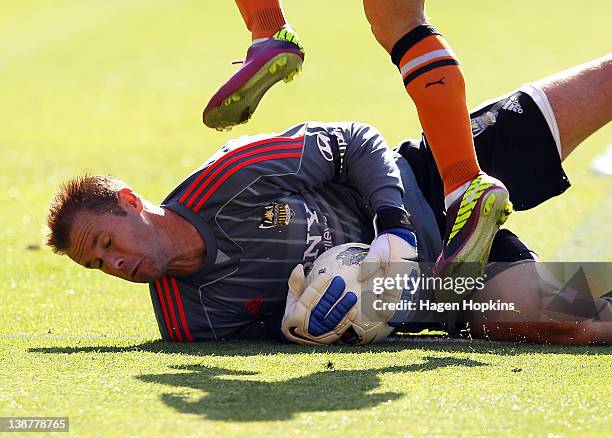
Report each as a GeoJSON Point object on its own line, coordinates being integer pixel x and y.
{"type": "Point", "coordinates": [179, 303]}
{"type": "Point", "coordinates": [171, 306]}
{"type": "Point", "coordinates": [220, 169]}
{"type": "Point", "coordinates": [164, 310]}
{"type": "Point", "coordinates": [232, 153]}
{"type": "Point", "coordinates": [236, 168]}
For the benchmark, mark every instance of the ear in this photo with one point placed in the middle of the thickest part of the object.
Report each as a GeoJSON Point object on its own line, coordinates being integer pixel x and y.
{"type": "Point", "coordinates": [129, 200]}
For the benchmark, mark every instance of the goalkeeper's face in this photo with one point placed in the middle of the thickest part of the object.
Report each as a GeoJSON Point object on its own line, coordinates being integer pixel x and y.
{"type": "Point", "coordinates": [123, 243]}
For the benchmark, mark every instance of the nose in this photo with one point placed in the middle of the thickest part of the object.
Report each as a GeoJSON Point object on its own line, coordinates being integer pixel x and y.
{"type": "Point", "coordinates": [115, 262]}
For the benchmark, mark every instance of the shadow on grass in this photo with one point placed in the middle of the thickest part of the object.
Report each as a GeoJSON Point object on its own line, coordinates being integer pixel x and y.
{"type": "Point", "coordinates": [251, 348]}
{"type": "Point", "coordinates": [242, 399]}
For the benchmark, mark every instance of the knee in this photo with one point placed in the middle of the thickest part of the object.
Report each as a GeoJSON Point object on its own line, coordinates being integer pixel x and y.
{"type": "Point", "coordinates": [390, 21]}
{"type": "Point", "coordinates": [387, 34]}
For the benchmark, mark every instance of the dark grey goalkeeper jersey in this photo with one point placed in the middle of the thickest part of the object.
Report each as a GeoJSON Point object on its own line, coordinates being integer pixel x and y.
{"type": "Point", "coordinates": [265, 203]}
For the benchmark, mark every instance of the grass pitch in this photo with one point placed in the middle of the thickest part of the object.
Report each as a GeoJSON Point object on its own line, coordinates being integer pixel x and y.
{"type": "Point", "coordinates": [117, 87]}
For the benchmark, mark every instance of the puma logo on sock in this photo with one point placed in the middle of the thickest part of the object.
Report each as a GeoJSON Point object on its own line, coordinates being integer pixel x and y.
{"type": "Point", "coordinates": [440, 81]}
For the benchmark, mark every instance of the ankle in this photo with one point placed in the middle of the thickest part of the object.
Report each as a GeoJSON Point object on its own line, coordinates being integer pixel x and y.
{"type": "Point", "coordinates": [266, 22]}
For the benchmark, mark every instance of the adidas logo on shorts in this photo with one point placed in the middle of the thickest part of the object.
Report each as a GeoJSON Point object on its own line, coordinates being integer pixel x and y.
{"type": "Point", "coordinates": [513, 105]}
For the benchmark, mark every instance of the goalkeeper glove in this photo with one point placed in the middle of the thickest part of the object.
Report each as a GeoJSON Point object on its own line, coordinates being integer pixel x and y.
{"type": "Point", "coordinates": [319, 314]}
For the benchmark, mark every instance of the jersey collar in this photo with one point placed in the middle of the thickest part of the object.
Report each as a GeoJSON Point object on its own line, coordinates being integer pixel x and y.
{"type": "Point", "coordinates": [200, 224]}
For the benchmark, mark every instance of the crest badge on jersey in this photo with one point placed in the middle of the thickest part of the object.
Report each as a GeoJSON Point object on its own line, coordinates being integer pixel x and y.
{"type": "Point", "coordinates": [276, 215]}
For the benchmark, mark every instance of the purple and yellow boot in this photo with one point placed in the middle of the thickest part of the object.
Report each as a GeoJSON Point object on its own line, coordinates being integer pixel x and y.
{"type": "Point", "coordinates": [471, 224]}
{"type": "Point", "coordinates": [266, 63]}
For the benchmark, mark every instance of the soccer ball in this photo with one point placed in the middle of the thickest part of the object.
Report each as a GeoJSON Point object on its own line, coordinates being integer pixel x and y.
{"type": "Point", "coordinates": [343, 261]}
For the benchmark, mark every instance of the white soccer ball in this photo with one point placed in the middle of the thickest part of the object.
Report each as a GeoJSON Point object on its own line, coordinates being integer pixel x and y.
{"type": "Point", "coordinates": [343, 261]}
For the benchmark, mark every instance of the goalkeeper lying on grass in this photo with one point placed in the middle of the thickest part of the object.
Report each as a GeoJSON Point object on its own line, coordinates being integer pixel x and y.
{"type": "Point", "coordinates": [220, 249]}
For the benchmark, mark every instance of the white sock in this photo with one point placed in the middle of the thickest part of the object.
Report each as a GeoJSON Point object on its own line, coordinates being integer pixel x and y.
{"type": "Point", "coordinates": [259, 40]}
{"type": "Point", "coordinates": [455, 194]}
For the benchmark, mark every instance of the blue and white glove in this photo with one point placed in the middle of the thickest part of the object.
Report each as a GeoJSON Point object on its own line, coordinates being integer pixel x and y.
{"type": "Point", "coordinates": [320, 313]}
{"type": "Point", "coordinates": [393, 253]}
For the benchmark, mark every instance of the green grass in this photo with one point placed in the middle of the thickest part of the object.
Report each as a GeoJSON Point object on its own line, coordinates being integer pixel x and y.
{"type": "Point", "coordinates": [401, 389]}
{"type": "Point", "coordinates": [117, 87]}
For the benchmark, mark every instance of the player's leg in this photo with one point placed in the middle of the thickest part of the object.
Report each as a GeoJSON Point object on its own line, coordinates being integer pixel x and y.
{"type": "Point", "coordinates": [275, 53]}
{"type": "Point", "coordinates": [575, 103]}
{"type": "Point", "coordinates": [476, 203]}
{"type": "Point", "coordinates": [581, 99]}
{"type": "Point", "coordinates": [523, 286]}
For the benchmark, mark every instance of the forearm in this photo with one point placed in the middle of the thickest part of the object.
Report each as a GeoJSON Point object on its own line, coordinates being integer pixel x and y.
{"type": "Point", "coordinates": [372, 169]}
{"type": "Point", "coordinates": [586, 333]}
{"type": "Point", "coordinates": [563, 333]}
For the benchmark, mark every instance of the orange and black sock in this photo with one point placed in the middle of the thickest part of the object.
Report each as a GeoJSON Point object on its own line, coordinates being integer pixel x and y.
{"type": "Point", "coordinates": [262, 17]}
{"type": "Point", "coordinates": [435, 83]}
